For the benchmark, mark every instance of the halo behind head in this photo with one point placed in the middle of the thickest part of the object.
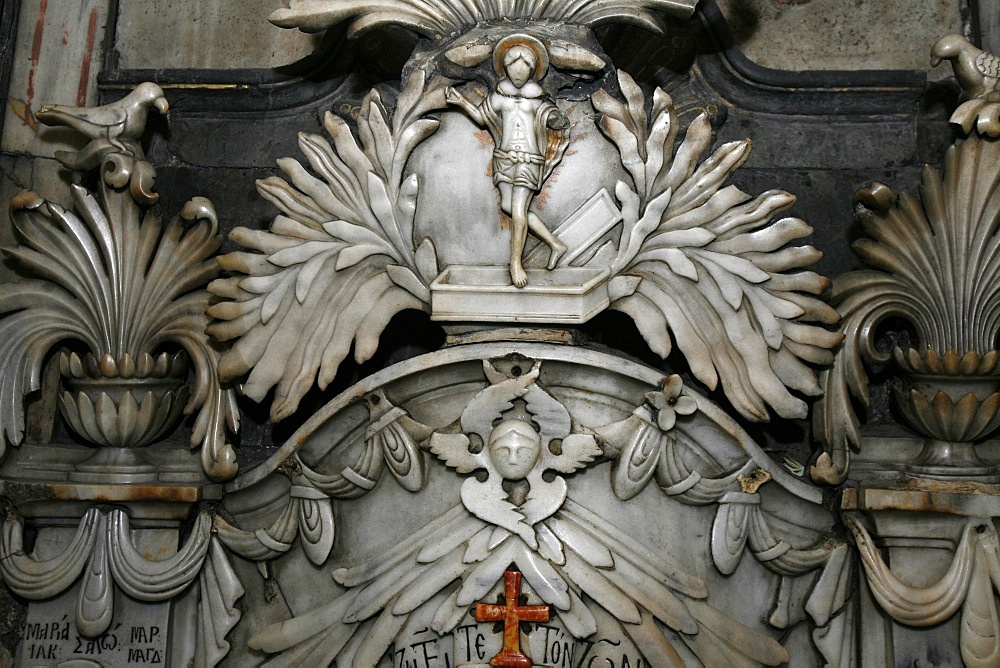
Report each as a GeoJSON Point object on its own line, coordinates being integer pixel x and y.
{"type": "Point", "coordinates": [521, 39]}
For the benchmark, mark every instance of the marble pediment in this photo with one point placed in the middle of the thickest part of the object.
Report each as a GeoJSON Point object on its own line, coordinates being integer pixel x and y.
{"type": "Point", "coordinates": [447, 526]}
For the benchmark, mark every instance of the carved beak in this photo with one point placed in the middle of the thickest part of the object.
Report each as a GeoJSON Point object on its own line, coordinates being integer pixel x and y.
{"type": "Point", "coordinates": [161, 104]}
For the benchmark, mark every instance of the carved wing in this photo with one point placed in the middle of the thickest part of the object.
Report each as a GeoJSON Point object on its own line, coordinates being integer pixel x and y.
{"type": "Point", "coordinates": [988, 64]}
{"type": "Point", "coordinates": [453, 450]}
{"type": "Point", "coordinates": [714, 268]}
{"type": "Point", "coordinates": [458, 560]}
{"type": "Point", "coordinates": [576, 451]}
{"type": "Point", "coordinates": [338, 261]}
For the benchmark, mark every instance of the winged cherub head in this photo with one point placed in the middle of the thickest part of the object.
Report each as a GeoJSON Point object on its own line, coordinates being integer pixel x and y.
{"type": "Point", "coordinates": [514, 448]}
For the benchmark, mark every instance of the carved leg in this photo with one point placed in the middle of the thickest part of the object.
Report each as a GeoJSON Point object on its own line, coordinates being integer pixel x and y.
{"type": "Point", "coordinates": [518, 234]}
{"type": "Point", "coordinates": [543, 233]}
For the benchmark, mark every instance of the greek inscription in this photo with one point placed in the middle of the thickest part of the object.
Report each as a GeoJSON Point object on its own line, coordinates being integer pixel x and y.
{"type": "Point", "coordinates": [560, 648]}
{"type": "Point", "coordinates": [600, 660]}
{"type": "Point", "coordinates": [91, 646]}
{"type": "Point", "coordinates": [147, 655]}
{"type": "Point", "coordinates": [42, 651]}
{"type": "Point", "coordinates": [474, 644]}
{"type": "Point", "coordinates": [48, 630]}
{"type": "Point", "coordinates": [142, 635]}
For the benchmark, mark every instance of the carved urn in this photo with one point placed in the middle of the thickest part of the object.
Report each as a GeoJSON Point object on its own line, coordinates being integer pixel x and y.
{"type": "Point", "coordinates": [953, 401]}
{"type": "Point", "coordinates": [934, 262]}
{"type": "Point", "coordinates": [124, 403]}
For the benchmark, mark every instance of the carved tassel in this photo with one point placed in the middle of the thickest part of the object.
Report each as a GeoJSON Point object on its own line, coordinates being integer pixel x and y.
{"type": "Point", "coordinates": [96, 602]}
{"type": "Point", "coordinates": [396, 435]}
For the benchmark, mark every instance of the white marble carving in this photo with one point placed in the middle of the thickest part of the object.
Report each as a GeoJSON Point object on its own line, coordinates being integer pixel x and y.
{"type": "Point", "coordinates": [978, 72]}
{"type": "Point", "coordinates": [970, 584]}
{"type": "Point", "coordinates": [102, 554]}
{"type": "Point", "coordinates": [932, 260]}
{"type": "Point", "coordinates": [112, 276]}
{"type": "Point", "coordinates": [442, 18]}
{"type": "Point", "coordinates": [530, 135]}
{"type": "Point", "coordinates": [714, 271]}
{"type": "Point", "coordinates": [698, 263]}
{"type": "Point", "coordinates": [640, 520]}
{"type": "Point", "coordinates": [338, 262]}
{"type": "Point", "coordinates": [525, 442]}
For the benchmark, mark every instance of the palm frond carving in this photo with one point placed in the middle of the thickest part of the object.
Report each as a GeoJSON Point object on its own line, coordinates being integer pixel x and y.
{"type": "Point", "coordinates": [934, 262]}
{"type": "Point", "coordinates": [716, 271]}
{"type": "Point", "coordinates": [442, 18]}
{"type": "Point", "coordinates": [338, 261]}
{"type": "Point", "coordinates": [121, 282]}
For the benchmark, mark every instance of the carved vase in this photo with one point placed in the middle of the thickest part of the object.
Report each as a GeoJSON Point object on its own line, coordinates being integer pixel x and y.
{"type": "Point", "coordinates": [953, 401]}
{"type": "Point", "coordinates": [124, 403]}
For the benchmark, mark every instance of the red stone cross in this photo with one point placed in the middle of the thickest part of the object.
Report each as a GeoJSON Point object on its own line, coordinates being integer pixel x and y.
{"type": "Point", "coordinates": [511, 614]}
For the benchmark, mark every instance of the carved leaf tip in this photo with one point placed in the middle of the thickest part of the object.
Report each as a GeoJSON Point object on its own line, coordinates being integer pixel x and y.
{"type": "Point", "coordinates": [454, 15]}
{"type": "Point", "coordinates": [717, 275]}
{"type": "Point", "coordinates": [338, 262]}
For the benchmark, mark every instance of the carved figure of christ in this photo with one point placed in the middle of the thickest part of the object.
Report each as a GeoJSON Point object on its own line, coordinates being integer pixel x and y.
{"type": "Point", "coordinates": [511, 614]}
{"type": "Point", "coordinates": [519, 116]}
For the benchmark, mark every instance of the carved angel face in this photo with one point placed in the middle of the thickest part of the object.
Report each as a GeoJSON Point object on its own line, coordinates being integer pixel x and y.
{"type": "Point", "coordinates": [514, 448]}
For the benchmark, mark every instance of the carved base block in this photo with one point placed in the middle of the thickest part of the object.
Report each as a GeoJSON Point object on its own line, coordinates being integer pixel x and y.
{"type": "Point", "coordinates": [126, 465]}
{"type": "Point", "coordinates": [950, 461]}
{"type": "Point", "coordinates": [565, 295]}
{"type": "Point", "coordinates": [157, 465]}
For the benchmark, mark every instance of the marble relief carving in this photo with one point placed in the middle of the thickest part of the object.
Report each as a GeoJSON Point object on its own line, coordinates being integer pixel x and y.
{"type": "Point", "coordinates": [518, 497]}
{"type": "Point", "coordinates": [112, 276]}
{"type": "Point", "coordinates": [932, 261]}
{"type": "Point", "coordinates": [522, 512]}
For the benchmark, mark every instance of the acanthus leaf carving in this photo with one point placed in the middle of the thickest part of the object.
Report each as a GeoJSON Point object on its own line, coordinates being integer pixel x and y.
{"type": "Point", "coordinates": [933, 262]}
{"type": "Point", "coordinates": [451, 15]}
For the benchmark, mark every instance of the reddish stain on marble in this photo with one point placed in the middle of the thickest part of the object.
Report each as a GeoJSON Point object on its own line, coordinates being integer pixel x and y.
{"type": "Point", "coordinates": [36, 52]}
{"type": "Point", "coordinates": [81, 89]}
